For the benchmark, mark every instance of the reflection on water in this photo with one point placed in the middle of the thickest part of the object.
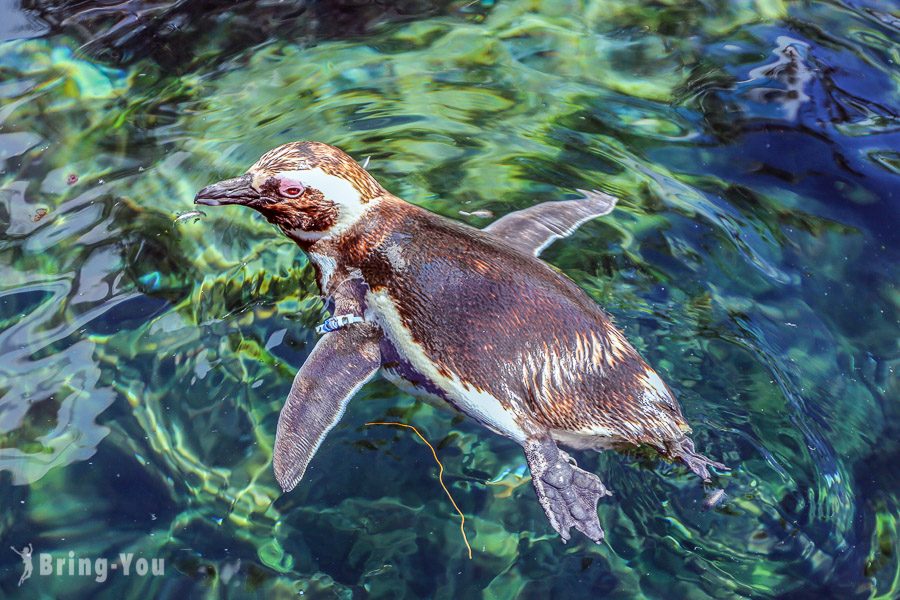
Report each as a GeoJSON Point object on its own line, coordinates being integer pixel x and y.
{"type": "Point", "coordinates": [143, 361]}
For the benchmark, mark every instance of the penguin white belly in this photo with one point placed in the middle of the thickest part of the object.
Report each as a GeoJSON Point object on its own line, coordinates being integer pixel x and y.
{"type": "Point", "coordinates": [478, 404]}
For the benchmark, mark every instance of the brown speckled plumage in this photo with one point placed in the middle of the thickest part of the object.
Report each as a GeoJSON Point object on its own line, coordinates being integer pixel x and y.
{"type": "Point", "coordinates": [507, 323]}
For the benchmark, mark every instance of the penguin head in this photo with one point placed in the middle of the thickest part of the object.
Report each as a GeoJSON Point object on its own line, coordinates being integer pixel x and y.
{"type": "Point", "coordinates": [309, 189]}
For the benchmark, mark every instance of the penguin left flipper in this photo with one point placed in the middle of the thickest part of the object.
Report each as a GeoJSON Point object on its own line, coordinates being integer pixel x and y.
{"type": "Point", "coordinates": [338, 366]}
{"type": "Point", "coordinates": [533, 229]}
{"type": "Point", "coordinates": [569, 495]}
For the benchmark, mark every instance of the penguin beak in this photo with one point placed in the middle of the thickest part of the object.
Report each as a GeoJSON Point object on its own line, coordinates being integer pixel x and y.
{"type": "Point", "coordinates": [230, 191]}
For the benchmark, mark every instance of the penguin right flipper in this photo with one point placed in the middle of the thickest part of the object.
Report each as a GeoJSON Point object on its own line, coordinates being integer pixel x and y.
{"type": "Point", "coordinates": [533, 229]}
{"type": "Point", "coordinates": [338, 366]}
{"type": "Point", "coordinates": [569, 495]}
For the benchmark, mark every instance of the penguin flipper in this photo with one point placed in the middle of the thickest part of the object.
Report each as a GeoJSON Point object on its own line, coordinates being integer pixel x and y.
{"type": "Point", "coordinates": [533, 229]}
{"type": "Point", "coordinates": [569, 495]}
{"type": "Point", "coordinates": [338, 366]}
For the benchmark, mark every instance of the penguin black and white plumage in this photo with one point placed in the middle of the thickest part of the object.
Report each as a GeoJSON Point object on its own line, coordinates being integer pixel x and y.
{"type": "Point", "coordinates": [470, 316]}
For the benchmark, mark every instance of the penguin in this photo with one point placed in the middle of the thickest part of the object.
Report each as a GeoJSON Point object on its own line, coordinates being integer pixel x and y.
{"type": "Point", "coordinates": [470, 316]}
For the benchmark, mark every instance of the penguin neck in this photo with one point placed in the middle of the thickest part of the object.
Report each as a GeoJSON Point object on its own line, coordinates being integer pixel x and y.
{"type": "Point", "coordinates": [335, 257]}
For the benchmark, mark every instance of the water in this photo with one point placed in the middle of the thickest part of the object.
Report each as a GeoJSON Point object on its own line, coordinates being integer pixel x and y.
{"type": "Point", "coordinates": [755, 147]}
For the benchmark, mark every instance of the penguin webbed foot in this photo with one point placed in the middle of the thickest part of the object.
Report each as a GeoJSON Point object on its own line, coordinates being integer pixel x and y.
{"type": "Point", "coordinates": [683, 450]}
{"type": "Point", "coordinates": [569, 495]}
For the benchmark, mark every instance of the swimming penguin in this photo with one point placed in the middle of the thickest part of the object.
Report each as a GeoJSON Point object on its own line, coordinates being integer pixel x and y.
{"type": "Point", "coordinates": [470, 316]}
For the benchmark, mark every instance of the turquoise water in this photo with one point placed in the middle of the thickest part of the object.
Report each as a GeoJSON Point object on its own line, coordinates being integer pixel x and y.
{"type": "Point", "coordinates": [755, 149]}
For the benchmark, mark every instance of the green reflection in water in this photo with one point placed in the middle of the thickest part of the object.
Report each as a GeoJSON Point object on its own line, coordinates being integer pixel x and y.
{"type": "Point", "coordinates": [143, 362]}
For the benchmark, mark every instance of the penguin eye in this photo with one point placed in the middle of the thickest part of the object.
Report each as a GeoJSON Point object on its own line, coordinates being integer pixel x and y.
{"type": "Point", "coordinates": [292, 190]}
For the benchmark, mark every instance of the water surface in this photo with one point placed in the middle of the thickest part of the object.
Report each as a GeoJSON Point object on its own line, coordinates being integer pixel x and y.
{"type": "Point", "coordinates": [755, 147]}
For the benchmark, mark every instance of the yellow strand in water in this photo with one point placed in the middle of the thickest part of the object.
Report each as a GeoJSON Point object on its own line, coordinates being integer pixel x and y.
{"type": "Point", "coordinates": [462, 523]}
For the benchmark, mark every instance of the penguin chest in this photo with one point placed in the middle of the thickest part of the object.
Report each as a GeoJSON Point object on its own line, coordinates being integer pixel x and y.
{"type": "Point", "coordinates": [407, 364]}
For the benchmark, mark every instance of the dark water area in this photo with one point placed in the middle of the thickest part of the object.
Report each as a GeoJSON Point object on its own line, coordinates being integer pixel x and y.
{"type": "Point", "coordinates": [755, 149]}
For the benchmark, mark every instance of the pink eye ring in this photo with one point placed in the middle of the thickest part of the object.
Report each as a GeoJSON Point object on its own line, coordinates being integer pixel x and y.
{"type": "Point", "coordinates": [292, 191]}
